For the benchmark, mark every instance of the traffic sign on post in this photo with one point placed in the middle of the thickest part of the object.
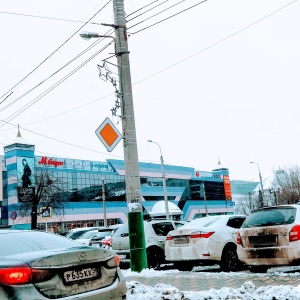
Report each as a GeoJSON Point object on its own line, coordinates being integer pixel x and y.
{"type": "Point", "coordinates": [108, 134]}
{"type": "Point", "coordinates": [13, 215]}
{"type": "Point", "coordinates": [45, 212]}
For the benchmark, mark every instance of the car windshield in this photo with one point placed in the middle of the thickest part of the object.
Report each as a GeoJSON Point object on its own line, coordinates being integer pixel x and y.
{"type": "Point", "coordinates": [270, 217]}
{"type": "Point", "coordinates": [30, 241]}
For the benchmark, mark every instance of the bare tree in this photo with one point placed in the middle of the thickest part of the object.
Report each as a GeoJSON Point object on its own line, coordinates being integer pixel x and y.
{"type": "Point", "coordinates": [246, 204]}
{"type": "Point", "coordinates": [48, 193]}
{"type": "Point", "coordinates": [287, 185]}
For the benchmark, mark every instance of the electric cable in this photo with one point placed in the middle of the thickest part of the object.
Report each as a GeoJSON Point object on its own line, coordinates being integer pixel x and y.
{"type": "Point", "coordinates": [146, 11]}
{"type": "Point", "coordinates": [56, 72]}
{"type": "Point", "coordinates": [174, 15]}
{"type": "Point", "coordinates": [54, 51]}
{"type": "Point", "coordinates": [49, 18]}
{"type": "Point", "coordinates": [25, 107]}
{"type": "Point", "coordinates": [142, 8]}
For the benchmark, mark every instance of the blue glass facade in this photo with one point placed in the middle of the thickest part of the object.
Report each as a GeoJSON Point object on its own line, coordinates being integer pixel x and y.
{"type": "Point", "coordinates": [193, 191]}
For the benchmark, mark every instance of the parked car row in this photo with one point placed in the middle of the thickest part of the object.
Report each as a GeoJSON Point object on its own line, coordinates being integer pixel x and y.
{"type": "Point", "coordinates": [267, 237]}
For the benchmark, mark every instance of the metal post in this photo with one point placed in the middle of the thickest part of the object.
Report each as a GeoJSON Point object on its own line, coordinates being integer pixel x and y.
{"type": "Point", "coordinates": [164, 180]}
{"type": "Point", "coordinates": [104, 204]}
{"type": "Point", "coordinates": [261, 183]}
{"type": "Point", "coordinates": [138, 257]}
{"type": "Point", "coordinates": [204, 195]}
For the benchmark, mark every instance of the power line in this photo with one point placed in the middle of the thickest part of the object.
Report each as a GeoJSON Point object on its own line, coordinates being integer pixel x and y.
{"type": "Point", "coordinates": [56, 72]}
{"type": "Point", "coordinates": [49, 18]}
{"type": "Point", "coordinates": [54, 51]}
{"type": "Point", "coordinates": [63, 142]}
{"type": "Point", "coordinates": [25, 107]}
{"type": "Point", "coordinates": [147, 10]}
{"type": "Point", "coordinates": [143, 7]}
{"type": "Point", "coordinates": [165, 18]}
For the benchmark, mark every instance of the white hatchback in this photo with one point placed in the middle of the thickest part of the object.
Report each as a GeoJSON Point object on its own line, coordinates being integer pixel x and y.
{"type": "Point", "coordinates": [208, 240]}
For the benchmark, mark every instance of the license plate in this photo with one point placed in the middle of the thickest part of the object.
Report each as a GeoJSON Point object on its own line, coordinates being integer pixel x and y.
{"type": "Point", "coordinates": [181, 240]}
{"type": "Point", "coordinates": [81, 274]}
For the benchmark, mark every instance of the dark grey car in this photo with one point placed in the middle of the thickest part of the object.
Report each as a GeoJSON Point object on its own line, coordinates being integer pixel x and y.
{"type": "Point", "coordinates": [39, 265]}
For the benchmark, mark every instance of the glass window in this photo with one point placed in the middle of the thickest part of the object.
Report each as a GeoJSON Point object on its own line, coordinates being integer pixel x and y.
{"type": "Point", "coordinates": [236, 222]}
{"type": "Point", "coordinates": [270, 216]}
{"type": "Point", "coordinates": [162, 229]}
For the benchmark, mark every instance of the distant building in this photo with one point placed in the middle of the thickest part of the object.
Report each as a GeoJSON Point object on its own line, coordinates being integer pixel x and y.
{"type": "Point", "coordinates": [189, 190]}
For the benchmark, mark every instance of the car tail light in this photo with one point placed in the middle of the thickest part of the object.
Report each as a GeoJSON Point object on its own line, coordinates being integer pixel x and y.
{"type": "Point", "coordinates": [169, 238]}
{"type": "Point", "coordinates": [199, 234]}
{"type": "Point", "coordinates": [23, 275]}
{"type": "Point", "coordinates": [294, 234]}
{"type": "Point", "coordinates": [107, 242]}
{"type": "Point", "coordinates": [114, 262]}
{"type": "Point", "coordinates": [16, 275]}
{"type": "Point", "coordinates": [238, 238]}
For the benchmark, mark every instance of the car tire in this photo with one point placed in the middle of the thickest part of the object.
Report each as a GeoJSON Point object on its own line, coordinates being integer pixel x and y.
{"type": "Point", "coordinates": [184, 266]}
{"type": "Point", "coordinates": [229, 259]}
{"type": "Point", "coordinates": [258, 269]}
{"type": "Point", "coordinates": [154, 258]}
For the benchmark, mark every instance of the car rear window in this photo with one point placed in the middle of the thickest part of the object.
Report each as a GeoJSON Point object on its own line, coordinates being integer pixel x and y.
{"type": "Point", "coordinates": [23, 242]}
{"type": "Point", "coordinates": [202, 222]}
{"type": "Point", "coordinates": [270, 217]}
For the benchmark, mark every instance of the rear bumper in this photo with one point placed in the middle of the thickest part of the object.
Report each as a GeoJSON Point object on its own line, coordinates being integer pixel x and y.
{"type": "Point", "coordinates": [116, 291]}
{"type": "Point", "coordinates": [271, 256]}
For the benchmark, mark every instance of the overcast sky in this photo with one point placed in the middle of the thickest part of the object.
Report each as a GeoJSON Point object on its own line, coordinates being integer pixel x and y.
{"type": "Point", "coordinates": [220, 80]}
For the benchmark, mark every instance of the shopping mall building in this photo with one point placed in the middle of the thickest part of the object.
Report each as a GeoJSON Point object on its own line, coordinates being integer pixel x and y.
{"type": "Point", "coordinates": [191, 193]}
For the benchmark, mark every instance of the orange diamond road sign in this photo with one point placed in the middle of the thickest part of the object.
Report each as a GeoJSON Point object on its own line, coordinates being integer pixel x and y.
{"type": "Point", "coordinates": [108, 134]}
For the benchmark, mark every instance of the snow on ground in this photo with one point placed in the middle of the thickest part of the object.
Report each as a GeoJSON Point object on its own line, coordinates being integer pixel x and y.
{"type": "Point", "coordinates": [248, 291]}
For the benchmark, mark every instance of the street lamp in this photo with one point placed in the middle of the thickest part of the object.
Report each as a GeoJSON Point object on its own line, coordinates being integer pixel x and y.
{"type": "Point", "coordinates": [87, 35]}
{"type": "Point", "coordinates": [164, 180]}
{"type": "Point", "coordinates": [260, 179]}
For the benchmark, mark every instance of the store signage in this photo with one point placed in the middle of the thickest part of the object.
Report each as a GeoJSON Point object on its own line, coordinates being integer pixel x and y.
{"type": "Point", "coordinates": [25, 194]}
{"type": "Point", "coordinates": [45, 161]}
{"type": "Point", "coordinates": [203, 174]}
{"type": "Point", "coordinates": [227, 187]}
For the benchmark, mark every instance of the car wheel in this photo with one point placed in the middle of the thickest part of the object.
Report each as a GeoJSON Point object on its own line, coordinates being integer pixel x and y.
{"type": "Point", "coordinates": [229, 259]}
{"type": "Point", "coordinates": [258, 269]}
{"type": "Point", "coordinates": [154, 258]}
{"type": "Point", "coordinates": [184, 266]}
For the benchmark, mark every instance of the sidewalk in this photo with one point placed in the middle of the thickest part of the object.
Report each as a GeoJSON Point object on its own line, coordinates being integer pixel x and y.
{"type": "Point", "coordinates": [201, 281]}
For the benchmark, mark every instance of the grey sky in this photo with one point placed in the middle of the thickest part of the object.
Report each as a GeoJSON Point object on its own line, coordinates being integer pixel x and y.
{"type": "Point", "coordinates": [219, 80]}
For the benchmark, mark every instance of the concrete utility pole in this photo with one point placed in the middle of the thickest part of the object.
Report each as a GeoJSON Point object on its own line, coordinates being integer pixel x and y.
{"type": "Point", "coordinates": [138, 258]}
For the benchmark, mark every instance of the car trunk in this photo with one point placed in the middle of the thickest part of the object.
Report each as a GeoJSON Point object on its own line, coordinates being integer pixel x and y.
{"type": "Point", "coordinates": [271, 236]}
{"type": "Point", "coordinates": [71, 272]}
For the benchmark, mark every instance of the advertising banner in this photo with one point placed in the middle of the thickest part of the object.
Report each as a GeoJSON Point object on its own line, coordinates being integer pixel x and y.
{"type": "Point", "coordinates": [227, 187]}
{"type": "Point", "coordinates": [25, 168]}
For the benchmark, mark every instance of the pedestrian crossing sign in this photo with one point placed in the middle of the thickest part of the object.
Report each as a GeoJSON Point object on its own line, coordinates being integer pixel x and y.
{"type": "Point", "coordinates": [45, 213]}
